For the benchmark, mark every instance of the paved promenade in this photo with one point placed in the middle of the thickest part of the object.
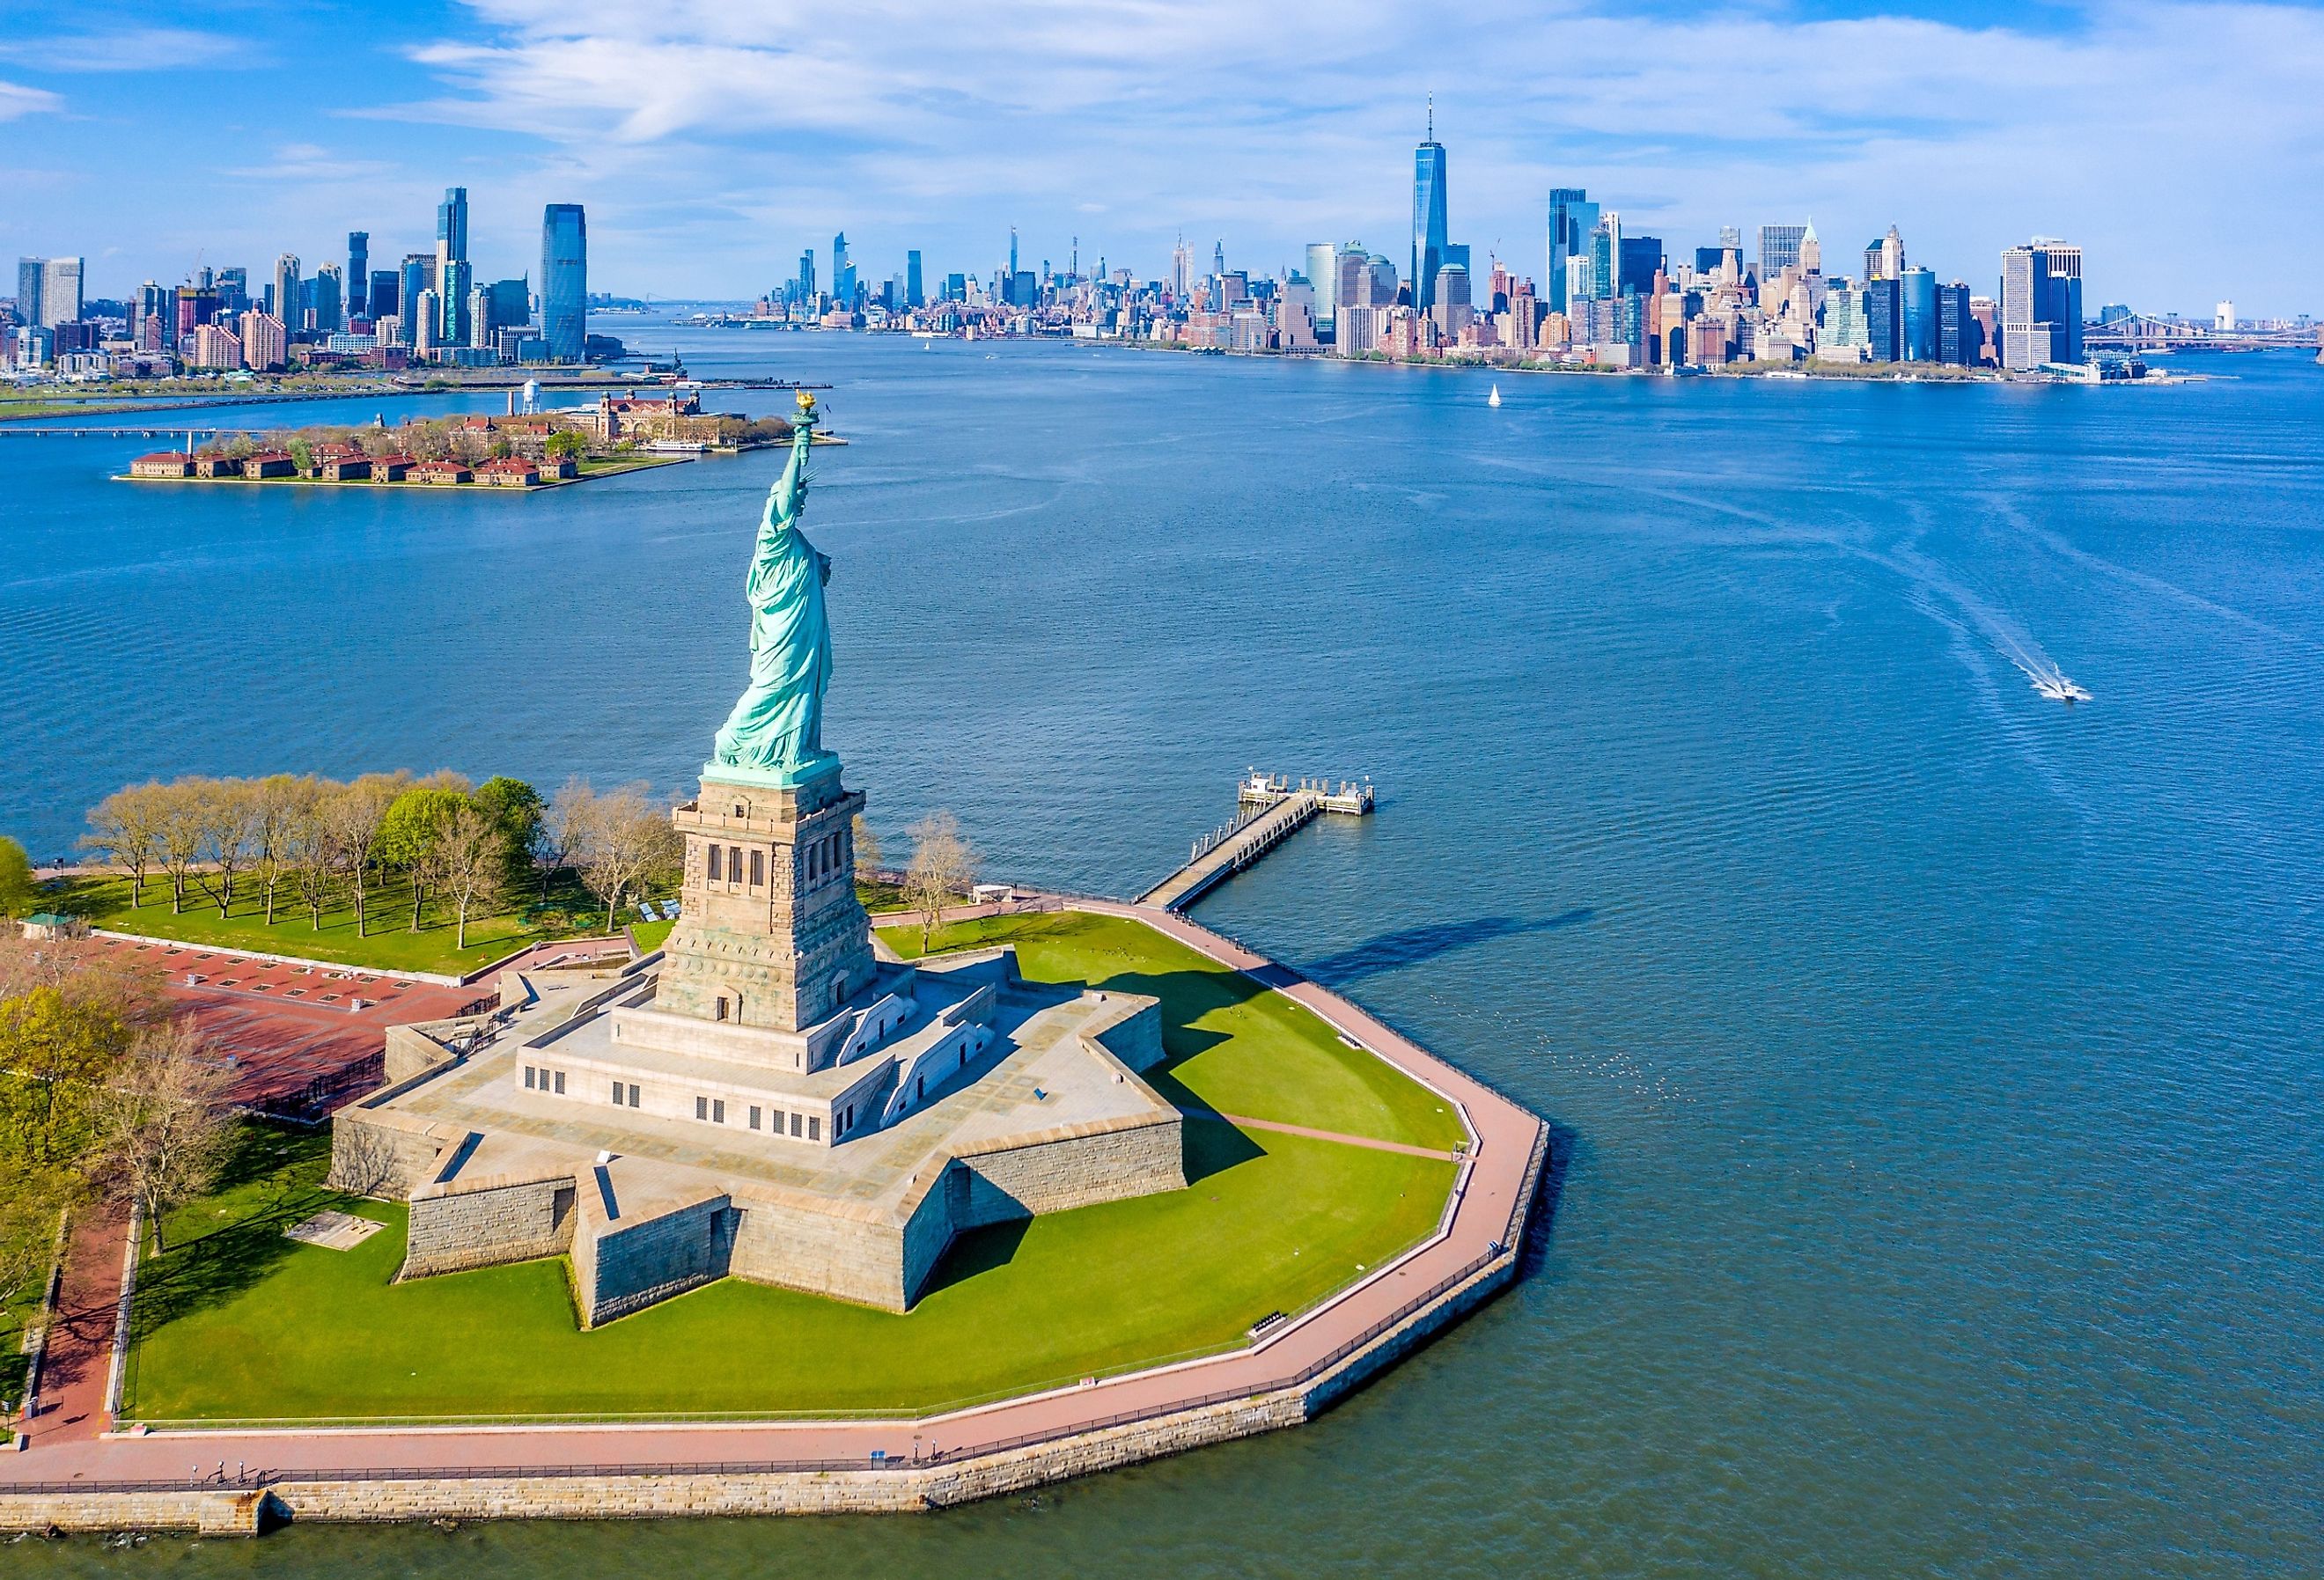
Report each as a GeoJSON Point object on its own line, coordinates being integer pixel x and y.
{"type": "Point", "coordinates": [1489, 1197]}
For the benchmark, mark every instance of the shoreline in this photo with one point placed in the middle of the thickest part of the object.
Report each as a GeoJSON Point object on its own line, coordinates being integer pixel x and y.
{"type": "Point", "coordinates": [470, 487]}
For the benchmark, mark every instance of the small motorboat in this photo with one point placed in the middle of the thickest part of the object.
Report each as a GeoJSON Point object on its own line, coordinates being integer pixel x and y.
{"type": "Point", "coordinates": [2058, 689]}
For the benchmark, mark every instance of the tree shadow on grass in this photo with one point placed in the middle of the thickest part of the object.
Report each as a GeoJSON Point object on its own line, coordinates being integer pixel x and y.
{"type": "Point", "coordinates": [276, 1171]}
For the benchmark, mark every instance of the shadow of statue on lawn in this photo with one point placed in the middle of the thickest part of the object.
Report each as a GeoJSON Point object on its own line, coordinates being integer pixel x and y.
{"type": "Point", "coordinates": [1412, 946]}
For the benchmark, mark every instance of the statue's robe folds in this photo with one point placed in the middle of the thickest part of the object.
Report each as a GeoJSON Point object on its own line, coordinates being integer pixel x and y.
{"type": "Point", "coordinates": [777, 725]}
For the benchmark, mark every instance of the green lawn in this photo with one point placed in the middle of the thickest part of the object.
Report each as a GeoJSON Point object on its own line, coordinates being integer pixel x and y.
{"type": "Point", "coordinates": [388, 944]}
{"type": "Point", "coordinates": [235, 1322]}
{"type": "Point", "coordinates": [1234, 1045]}
{"type": "Point", "coordinates": [242, 1323]}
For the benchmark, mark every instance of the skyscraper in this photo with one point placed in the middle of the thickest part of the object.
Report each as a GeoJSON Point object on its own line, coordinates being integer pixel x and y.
{"type": "Point", "coordinates": [2062, 307]}
{"type": "Point", "coordinates": [330, 296]}
{"type": "Point", "coordinates": [1779, 248]}
{"type": "Point", "coordinates": [452, 224]}
{"type": "Point", "coordinates": [1884, 317]}
{"type": "Point", "coordinates": [1917, 296]}
{"type": "Point", "coordinates": [1429, 211]}
{"type": "Point", "coordinates": [386, 298]}
{"type": "Point", "coordinates": [1572, 217]}
{"type": "Point", "coordinates": [2025, 334]}
{"type": "Point", "coordinates": [1181, 267]}
{"type": "Point", "coordinates": [452, 266]}
{"type": "Point", "coordinates": [805, 284]}
{"type": "Point", "coordinates": [289, 301]}
{"type": "Point", "coordinates": [48, 290]}
{"type": "Point", "coordinates": [1959, 337]}
{"type": "Point", "coordinates": [359, 273]}
{"type": "Point", "coordinates": [564, 282]}
{"type": "Point", "coordinates": [1322, 272]}
{"type": "Point", "coordinates": [1639, 260]}
{"type": "Point", "coordinates": [418, 275]}
{"type": "Point", "coordinates": [842, 269]}
{"type": "Point", "coordinates": [915, 296]}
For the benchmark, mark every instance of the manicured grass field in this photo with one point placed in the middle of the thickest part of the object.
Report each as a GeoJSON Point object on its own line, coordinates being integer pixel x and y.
{"type": "Point", "coordinates": [389, 943]}
{"type": "Point", "coordinates": [235, 1322]}
{"type": "Point", "coordinates": [242, 1323]}
{"type": "Point", "coordinates": [1234, 1045]}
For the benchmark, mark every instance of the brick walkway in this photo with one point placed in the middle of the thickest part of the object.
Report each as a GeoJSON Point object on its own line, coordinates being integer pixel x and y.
{"type": "Point", "coordinates": [1487, 1210]}
{"type": "Point", "coordinates": [78, 1364]}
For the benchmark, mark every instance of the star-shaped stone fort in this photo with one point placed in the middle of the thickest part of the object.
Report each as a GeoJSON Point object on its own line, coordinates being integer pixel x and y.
{"type": "Point", "coordinates": [771, 1102]}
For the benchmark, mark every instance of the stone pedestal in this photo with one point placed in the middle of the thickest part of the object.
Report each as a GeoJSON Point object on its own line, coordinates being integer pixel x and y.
{"type": "Point", "coordinates": [770, 933]}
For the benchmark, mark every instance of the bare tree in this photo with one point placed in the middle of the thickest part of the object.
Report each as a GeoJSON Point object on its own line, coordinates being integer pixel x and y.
{"type": "Point", "coordinates": [867, 846]}
{"type": "Point", "coordinates": [274, 806]}
{"type": "Point", "coordinates": [626, 842]}
{"type": "Point", "coordinates": [943, 867]}
{"type": "Point", "coordinates": [306, 855]}
{"type": "Point", "coordinates": [352, 815]}
{"type": "Point", "coordinates": [179, 826]}
{"type": "Point", "coordinates": [229, 832]}
{"type": "Point", "coordinates": [564, 829]}
{"type": "Point", "coordinates": [125, 828]}
{"type": "Point", "coordinates": [467, 861]}
{"type": "Point", "coordinates": [162, 1125]}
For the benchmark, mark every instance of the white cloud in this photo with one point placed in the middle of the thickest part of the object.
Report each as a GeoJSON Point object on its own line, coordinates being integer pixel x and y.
{"type": "Point", "coordinates": [16, 99]}
{"type": "Point", "coordinates": [2175, 139]}
{"type": "Point", "coordinates": [138, 48]}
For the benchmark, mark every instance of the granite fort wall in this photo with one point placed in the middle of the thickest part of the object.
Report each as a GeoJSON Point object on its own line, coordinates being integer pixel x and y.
{"type": "Point", "coordinates": [1052, 1177]}
{"type": "Point", "coordinates": [823, 1253]}
{"type": "Point", "coordinates": [382, 1155]}
{"type": "Point", "coordinates": [487, 1223]}
{"type": "Point", "coordinates": [1136, 1040]}
{"type": "Point", "coordinates": [632, 1267]}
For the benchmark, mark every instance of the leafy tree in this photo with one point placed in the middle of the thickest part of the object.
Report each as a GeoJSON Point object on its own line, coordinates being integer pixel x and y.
{"type": "Point", "coordinates": [55, 1048]}
{"type": "Point", "coordinates": [516, 811]}
{"type": "Point", "coordinates": [18, 893]}
{"type": "Point", "coordinates": [566, 443]}
{"type": "Point", "coordinates": [408, 834]}
{"type": "Point", "coordinates": [33, 1200]}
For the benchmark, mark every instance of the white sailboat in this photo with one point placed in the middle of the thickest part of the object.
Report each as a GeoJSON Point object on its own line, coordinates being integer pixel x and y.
{"type": "Point", "coordinates": [1495, 398]}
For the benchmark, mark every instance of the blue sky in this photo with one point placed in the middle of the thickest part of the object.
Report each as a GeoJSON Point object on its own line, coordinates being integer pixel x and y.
{"type": "Point", "coordinates": [2179, 143]}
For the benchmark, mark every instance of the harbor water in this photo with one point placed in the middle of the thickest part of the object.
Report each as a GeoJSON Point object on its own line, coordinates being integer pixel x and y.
{"type": "Point", "coordinates": [1934, 1063]}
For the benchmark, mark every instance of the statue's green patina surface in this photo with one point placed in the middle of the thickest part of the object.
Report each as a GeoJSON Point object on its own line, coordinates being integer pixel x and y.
{"type": "Point", "coordinates": [774, 736]}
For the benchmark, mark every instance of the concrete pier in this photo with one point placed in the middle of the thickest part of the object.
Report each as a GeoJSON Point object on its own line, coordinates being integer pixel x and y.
{"type": "Point", "coordinates": [1269, 809]}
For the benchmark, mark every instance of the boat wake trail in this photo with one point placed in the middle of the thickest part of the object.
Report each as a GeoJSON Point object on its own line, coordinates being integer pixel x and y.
{"type": "Point", "coordinates": [2048, 678]}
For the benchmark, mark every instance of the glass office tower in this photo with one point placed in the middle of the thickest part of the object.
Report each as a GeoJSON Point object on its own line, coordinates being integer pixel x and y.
{"type": "Point", "coordinates": [1429, 222]}
{"type": "Point", "coordinates": [565, 282]}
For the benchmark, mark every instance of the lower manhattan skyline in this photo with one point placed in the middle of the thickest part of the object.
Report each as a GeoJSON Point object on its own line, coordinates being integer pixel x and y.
{"type": "Point", "coordinates": [2169, 143]}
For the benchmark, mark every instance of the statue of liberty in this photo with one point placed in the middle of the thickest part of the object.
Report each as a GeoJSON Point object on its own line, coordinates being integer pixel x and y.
{"type": "Point", "coordinates": [774, 736]}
